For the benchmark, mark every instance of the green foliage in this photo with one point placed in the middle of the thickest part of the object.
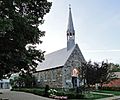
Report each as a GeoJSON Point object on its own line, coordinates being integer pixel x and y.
{"type": "Point", "coordinates": [89, 72]}
{"type": "Point", "coordinates": [106, 75]}
{"type": "Point", "coordinates": [52, 92]}
{"type": "Point", "coordinates": [19, 33]}
{"type": "Point", "coordinates": [40, 92]}
{"type": "Point", "coordinates": [23, 80]}
{"type": "Point", "coordinates": [87, 96]}
{"type": "Point", "coordinates": [74, 96]}
{"type": "Point", "coordinates": [96, 73]}
{"type": "Point", "coordinates": [46, 90]}
{"type": "Point", "coordinates": [115, 67]}
{"type": "Point", "coordinates": [91, 96]}
{"type": "Point", "coordinates": [110, 90]}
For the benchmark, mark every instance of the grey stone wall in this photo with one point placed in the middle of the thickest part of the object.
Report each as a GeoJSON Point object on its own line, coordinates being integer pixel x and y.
{"type": "Point", "coordinates": [74, 61]}
{"type": "Point", "coordinates": [63, 75]}
{"type": "Point", "coordinates": [46, 78]}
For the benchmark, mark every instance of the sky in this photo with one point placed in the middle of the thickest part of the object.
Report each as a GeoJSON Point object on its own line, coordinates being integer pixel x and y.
{"type": "Point", "coordinates": [96, 24]}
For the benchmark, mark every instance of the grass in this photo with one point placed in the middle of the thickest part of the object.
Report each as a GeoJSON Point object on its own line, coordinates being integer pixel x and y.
{"type": "Point", "coordinates": [88, 96]}
{"type": "Point", "coordinates": [109, 92]}
{"type": "Point", "coordinates": [91, 96]}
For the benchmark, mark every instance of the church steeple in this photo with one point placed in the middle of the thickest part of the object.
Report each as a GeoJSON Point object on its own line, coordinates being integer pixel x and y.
{"type": "Point", "coordinates": [70, 32]}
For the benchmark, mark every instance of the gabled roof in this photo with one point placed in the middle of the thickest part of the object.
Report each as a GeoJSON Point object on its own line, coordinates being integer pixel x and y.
{"type": "Point", "coordinates": [55, 59]}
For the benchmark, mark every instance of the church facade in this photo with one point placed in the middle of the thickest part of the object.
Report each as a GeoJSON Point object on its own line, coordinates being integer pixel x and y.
{"type": "Point", "coordinates": [61, 69]}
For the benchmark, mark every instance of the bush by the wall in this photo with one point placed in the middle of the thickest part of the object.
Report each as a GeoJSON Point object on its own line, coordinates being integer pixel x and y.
{"type": "Point", "coordinates": [70, 95]}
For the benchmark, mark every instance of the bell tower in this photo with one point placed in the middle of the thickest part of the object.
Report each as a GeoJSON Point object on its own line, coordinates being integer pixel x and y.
{"type": "Point", "coordinates": [70, 31]}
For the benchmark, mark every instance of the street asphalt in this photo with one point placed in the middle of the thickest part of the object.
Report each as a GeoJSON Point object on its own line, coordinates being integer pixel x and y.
{"type": "Point", "coordinates": [13, 95]}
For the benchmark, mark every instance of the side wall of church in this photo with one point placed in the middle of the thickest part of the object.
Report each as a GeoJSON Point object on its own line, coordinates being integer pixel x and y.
{"type": "Point", "coordinates": [51, 77]}
{"type": "Point", "coordinates": [74, 61]}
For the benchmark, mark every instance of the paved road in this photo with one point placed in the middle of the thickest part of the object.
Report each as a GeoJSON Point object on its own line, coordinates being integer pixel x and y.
{"type": "Point", "coordinates": [13, 95]}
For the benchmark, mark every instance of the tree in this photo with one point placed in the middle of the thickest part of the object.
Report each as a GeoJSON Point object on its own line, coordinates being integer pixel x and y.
{"type": "Point", "coordinates": [19, 33]}
{"type": "Point", "coordinates": [115, 67]}
{"type": "Point", "coordinates": [23, 80]}
{"type": "Point", "coordinates": [88, 73]}
{"type": "Point", "coordinates": [105, 73]}
{"type": "Point", "coordinates": [96, 73]}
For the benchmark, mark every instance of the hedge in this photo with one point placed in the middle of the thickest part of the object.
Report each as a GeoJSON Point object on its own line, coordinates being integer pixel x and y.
{"type": "Point", "coordinates": [70, 95]}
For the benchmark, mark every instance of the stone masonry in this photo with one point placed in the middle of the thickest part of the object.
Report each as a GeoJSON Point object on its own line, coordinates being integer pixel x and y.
{"type": "Point", "coordinates": [74, 61]}
{"type": "Point", "coordinates": [61, 77]}
{"type": "Point", "coordinates": [46, 77]}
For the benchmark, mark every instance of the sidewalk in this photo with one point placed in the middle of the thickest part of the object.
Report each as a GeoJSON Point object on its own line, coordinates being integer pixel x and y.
{"type": "Point", "coordinates": [108, 98]}
{"type": "Point", "coordinates": [102, 93]}
{"type": "Point", "coordinates": [13, 95]}
{"type": "Point", "coordinates": [111, 98]}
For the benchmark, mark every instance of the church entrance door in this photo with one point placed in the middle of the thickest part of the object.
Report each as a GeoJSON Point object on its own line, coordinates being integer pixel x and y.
{"type": "Point", "coordinates": [74, 81]}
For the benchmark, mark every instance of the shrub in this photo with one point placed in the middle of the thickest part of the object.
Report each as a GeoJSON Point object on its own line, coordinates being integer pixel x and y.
{"type": "Point", "coordinates": [74, 96]}
{"type": "Point", "coordinates": [41, 92]}
{"type": "Point", "coordinates": [46, 90]}
{"type": "Point", "coordinates": [70, 95]}
{"type": "Point", "coordinates": [52, 92]}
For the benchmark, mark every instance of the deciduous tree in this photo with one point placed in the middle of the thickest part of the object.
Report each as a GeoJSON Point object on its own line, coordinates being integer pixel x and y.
{"type": "Point", "coordinates": [97, 73]}
{"type": "Point", "coordinates": [19, 33]}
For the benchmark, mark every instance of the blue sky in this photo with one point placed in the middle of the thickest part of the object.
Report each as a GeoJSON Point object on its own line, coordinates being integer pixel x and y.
{"type": "Point", "coordinates": [96, 23]}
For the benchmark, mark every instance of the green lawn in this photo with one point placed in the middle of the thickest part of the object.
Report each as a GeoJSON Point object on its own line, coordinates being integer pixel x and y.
{"type": "Point", "coordinates": [109, 92]}
{"type": "Point", "coordinates": [88, 96]}
{"type": "Point", "coordinates": [91, 96]}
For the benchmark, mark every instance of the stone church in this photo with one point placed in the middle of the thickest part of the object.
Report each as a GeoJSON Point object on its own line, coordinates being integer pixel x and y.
{"type": "Point", "coordinates": [61, 68]}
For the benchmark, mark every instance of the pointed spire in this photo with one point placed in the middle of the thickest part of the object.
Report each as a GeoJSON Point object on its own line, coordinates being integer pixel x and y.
{"type": "Point", "coordinates": [70, 31]}
{"type": "Point", "coordinates": [70, 28]}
